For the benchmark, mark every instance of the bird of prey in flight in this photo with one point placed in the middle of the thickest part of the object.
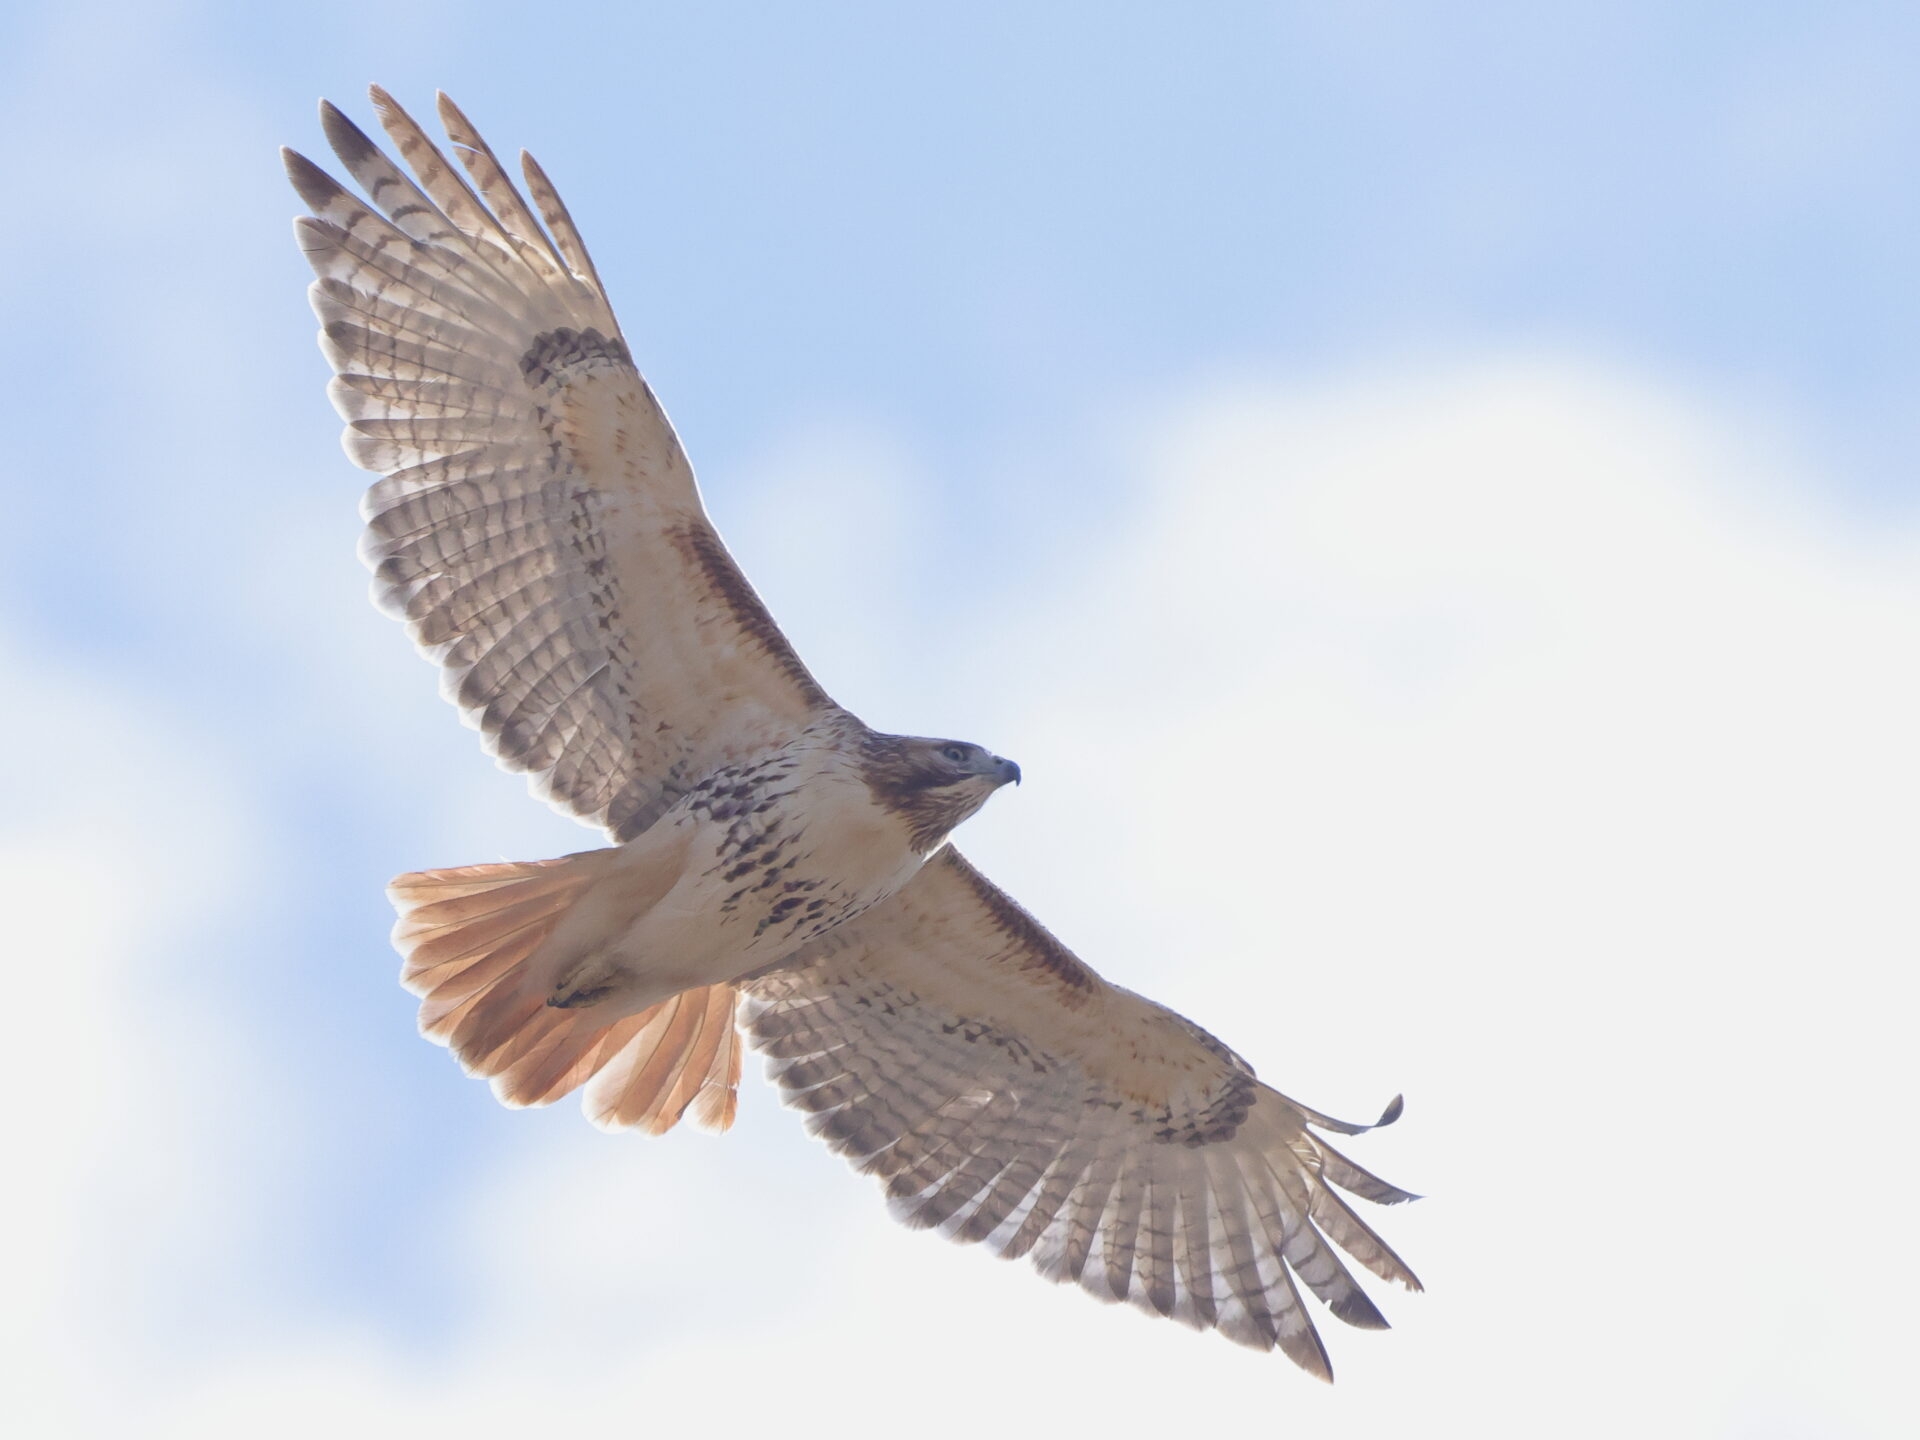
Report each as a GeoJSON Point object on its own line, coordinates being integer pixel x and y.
{"type": "Point", "coordinates": [779, 873]}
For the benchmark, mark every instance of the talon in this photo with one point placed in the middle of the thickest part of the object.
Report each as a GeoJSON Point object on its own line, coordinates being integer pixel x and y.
{"type": "Point", "coordinates": [577, 999]}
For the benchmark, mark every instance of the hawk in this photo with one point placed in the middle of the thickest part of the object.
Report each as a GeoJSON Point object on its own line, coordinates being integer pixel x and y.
{"type": "Point", "coordinates": [779, 871]}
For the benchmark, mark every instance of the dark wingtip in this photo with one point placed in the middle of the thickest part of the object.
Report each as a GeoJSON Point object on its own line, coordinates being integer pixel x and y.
{"type": "Point", "coordinates": [349, 141]}
{"type": "Point", "coordinates": [313, 184]}
{"type": "Point", "coordinates": [1359, 1311]}
{"type": "Point", "coordinates": [1347, 1127]}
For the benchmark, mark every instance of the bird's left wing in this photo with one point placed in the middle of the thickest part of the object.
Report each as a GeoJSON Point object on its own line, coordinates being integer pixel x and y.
{"type": "Point", "coordinates": [537, 524]}
{"type": "Point", "coordinates": [1005, 1094]}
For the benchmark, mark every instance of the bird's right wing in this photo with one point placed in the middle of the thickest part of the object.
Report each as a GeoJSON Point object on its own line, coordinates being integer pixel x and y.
{"type": "Point", "coordinates": [1004, 1093]}
{"type": "Point", "coordinates": [537, 525]}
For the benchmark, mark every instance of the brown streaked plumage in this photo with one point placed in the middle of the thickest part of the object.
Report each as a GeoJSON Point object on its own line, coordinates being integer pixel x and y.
{"type": "Point", "coordinates": [777, 867]}
{"type": "Point", "coordinates": [915, 778]}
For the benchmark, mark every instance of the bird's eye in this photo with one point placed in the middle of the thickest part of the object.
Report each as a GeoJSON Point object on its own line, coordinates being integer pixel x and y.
{"type": "Point", "coordinates": [955, 754]}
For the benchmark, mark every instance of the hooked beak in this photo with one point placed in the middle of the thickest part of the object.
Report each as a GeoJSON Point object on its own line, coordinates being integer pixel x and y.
{"type": "Point", "coordinates": [1008, 770]}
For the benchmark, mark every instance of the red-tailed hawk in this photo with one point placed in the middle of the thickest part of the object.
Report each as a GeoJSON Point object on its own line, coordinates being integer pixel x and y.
{"type": "Point", "coordinates": [778, 868]}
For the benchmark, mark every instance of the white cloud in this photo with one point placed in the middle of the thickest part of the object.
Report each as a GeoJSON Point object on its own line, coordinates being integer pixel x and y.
{"type": "Point", "coordinates": [118, 847]}
{"type": "Point", "coordinates": [1520, 735]}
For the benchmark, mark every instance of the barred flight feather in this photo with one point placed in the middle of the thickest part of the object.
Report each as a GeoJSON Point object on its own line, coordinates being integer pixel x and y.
{"type": "Point", "coordinates": [530, 526]}
{"type": "Point", "coordinates": [925, 1051]}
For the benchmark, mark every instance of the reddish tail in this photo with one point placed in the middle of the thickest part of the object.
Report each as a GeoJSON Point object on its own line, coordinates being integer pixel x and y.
{"type": "Point", "coordinates": [467, 935]}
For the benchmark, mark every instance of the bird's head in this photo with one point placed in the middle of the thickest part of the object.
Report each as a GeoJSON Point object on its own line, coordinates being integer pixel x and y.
{"type": "Point", "coordinates": [935, 784]}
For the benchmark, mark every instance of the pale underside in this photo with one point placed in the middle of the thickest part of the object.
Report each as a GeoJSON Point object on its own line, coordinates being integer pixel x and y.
{"type": "Point", "coordinates": [538, 529]}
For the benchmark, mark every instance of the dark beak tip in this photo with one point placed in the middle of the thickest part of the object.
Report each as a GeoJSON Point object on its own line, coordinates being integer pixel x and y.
{"type": "Point", "coordinates": [1012, 771]}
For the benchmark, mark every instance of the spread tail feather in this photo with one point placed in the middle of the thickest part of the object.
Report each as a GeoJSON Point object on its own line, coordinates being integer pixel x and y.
{"type": "Point", "coordinates": [467, 935]}
{"type": "Point", "coordinates": [682, 1053]}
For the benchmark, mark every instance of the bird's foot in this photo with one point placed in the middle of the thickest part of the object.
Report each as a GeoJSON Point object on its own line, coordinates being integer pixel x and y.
{"type": "Point", "coordinates": [567, 997]}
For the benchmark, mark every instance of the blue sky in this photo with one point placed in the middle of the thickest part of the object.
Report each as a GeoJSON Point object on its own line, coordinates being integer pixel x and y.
{"type": "Point", "coordinates": [1498, 419]}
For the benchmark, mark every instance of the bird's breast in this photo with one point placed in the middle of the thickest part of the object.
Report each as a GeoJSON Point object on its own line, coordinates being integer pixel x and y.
{"type": "Point", "coordinates": [794, 847]}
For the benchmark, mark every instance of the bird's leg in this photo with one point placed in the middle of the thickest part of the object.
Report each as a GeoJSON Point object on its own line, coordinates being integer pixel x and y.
{"type": "Point", "coordinates": [586, 982]}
